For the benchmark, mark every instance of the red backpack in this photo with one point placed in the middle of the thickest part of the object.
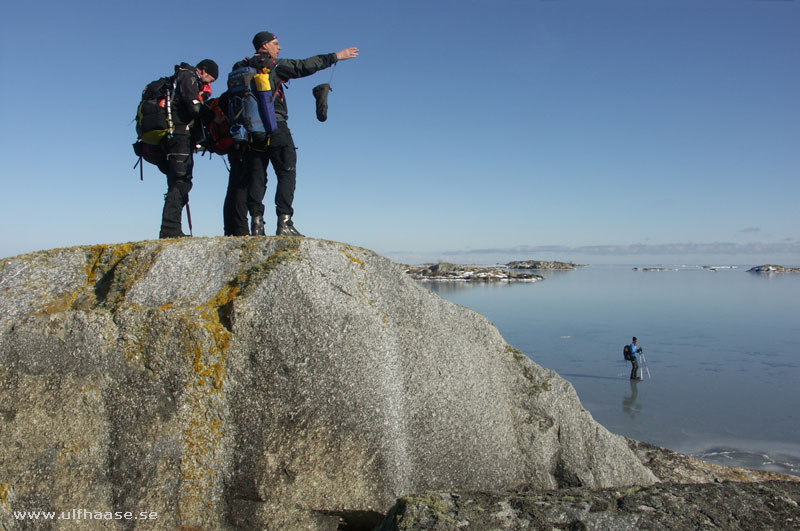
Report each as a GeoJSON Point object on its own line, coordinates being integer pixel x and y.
{"type": "Point", "coordinates": [218, 132]}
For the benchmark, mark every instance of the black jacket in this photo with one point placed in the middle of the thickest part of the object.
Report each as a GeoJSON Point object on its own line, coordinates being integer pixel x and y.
{"type": "Point", "coordinates": [186, 105]}
{"type": "Point", "coordinates": [282, 70]}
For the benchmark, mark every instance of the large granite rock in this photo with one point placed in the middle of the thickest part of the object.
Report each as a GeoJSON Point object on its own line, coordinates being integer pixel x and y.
{"type": "Point", "coordinates": [266, 383]}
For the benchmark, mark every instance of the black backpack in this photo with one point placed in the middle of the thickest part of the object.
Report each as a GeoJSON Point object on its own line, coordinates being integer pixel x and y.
{"type": "Point", "coordinates": [153, 121]}
{"type": "Point", "coordinates": [626, 353]}
{"type": "Point", "coordinates": [154, 114]}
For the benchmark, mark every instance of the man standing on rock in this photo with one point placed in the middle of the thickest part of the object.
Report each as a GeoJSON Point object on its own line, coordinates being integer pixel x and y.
{"type": "Point", "coordinates": [192, 86]}
{"type": "Point", "coordinates": [248, 184]}
{"type": "Point", "coordinates": [635, 351]}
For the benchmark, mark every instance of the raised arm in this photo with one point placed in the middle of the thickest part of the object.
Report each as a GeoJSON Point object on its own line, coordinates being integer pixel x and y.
{"type": "Point", "coordinates": [295, 68]}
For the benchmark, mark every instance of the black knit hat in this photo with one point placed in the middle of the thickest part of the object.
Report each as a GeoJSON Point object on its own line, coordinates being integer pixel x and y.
{"type": "Point", "coordinates": [262, 37]}
{"type": "Point", "coordinates": [209, 66]}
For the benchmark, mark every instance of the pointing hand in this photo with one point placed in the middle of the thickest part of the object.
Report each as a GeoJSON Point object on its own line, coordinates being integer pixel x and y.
{"type": "Point", "coordinates": [347, 53]}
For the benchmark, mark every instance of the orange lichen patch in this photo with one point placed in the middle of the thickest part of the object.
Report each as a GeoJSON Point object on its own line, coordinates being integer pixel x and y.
{"type": "Point", "coordinates": [226, 295]}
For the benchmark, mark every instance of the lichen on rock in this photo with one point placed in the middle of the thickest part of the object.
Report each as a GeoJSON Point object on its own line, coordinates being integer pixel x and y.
{"type": "Point", "coordinates": [266, 383]}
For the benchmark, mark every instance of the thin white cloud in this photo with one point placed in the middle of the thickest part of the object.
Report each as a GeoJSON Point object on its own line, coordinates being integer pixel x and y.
{"type": "Point", "coordinates": [716, 248]}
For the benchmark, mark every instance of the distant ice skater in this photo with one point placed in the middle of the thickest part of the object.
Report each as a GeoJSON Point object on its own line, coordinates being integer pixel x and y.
{"type": "Point", "coordinates": [632, 353]}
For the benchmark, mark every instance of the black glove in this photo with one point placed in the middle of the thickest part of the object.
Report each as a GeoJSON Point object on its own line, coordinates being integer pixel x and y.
{"type": "Point", "coordinates": [321, 95]}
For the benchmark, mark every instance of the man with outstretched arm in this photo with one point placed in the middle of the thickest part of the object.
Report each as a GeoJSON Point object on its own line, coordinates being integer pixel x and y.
{"type": "Point", "coordinates": [247, 183]}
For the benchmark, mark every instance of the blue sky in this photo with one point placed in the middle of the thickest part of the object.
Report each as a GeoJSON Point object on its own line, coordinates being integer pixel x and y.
{"type": "Point", "coordinates": [613, 131]}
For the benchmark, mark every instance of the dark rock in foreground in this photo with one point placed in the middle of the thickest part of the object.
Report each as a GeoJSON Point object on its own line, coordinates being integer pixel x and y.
{"type": "Point", "coordinates": [540, 264]}
{"type": "Point", "coordinates": [693, 494]}
{"type": "Point", "coordinates": [447, 271]}
{"type": "Point", "coordinates": [670, 506]}
{"type": "Point", "coordinates": [771, 268]}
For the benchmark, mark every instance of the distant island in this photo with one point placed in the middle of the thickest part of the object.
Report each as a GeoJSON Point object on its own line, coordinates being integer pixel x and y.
{"type": "Point", "coordinates": [771, 268]}
{"type": "Point", "coordinates": [539, 264]}
{"type": "Point", "coordinates": [456, 272]}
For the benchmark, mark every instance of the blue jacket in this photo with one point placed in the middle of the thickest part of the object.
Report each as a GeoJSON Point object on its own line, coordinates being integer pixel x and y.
{"type": "Point", "coordinates": [635, 350]}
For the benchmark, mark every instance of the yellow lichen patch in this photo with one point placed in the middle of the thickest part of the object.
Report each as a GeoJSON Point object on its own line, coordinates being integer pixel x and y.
{"type": "Point", "coordinates": [225, 295]}
{"type": "Point", "coordinates": [5, 492]}
{"type": "Point", "coordinates": [95, 254]}
{"type": "Point", "coordinates": [208, 357]}
{"type": "Point", "coordinates": [121, 250]}
{"type": "Point", "coordinates": [61, 304]}
{"type": "Point", "coordinates": [352, 258]}
{"type": "Point", "coordinates": [99, 261]}
{"type": "Point", "coordinates": [206, 344]}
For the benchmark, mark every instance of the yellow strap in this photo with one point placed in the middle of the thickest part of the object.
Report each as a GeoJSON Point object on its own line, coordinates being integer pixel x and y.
{"type": "Point", "coordinates": [260, 150]}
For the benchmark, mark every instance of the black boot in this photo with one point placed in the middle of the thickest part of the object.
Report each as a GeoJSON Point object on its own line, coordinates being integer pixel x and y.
{"type": "Point", "coordinates": [175, 199]}
{"type": "Point", "coordinates": [286, 227]}
{"type": "Point", "coordinates": [171, 216]}
{"type": "Point", "coordinates": [257, 226]}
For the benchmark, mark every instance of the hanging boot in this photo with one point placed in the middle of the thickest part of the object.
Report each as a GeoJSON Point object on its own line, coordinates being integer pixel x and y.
{"type": "Point", "coordinates": [286, 227]}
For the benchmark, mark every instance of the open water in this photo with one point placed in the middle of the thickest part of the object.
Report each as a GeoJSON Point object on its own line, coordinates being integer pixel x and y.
{"type": "Point", "coordinates": [722, 349]}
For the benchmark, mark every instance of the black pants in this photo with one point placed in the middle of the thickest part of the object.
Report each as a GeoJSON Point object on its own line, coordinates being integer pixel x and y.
{"type": "Point", "coordinates": [635, 368]}
{"type": "Point", "coordinates": [244, 195]}
{"type": "Point", "coordinates": [247, 181]}
{"type": "Point", "coordinates": [178, 169]}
